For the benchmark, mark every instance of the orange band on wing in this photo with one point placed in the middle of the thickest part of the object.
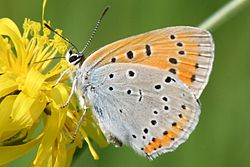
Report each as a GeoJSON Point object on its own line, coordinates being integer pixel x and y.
{"type": "Point", "coordinates": [180, 36]}
{"type": "Point", "coordinates": [167, 137]}
{"type": "Point", "coordinates": [157, 143]}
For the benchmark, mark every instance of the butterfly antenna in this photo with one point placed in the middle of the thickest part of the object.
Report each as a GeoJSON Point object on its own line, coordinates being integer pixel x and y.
{"type": "Point", "coordinates": [49, 59]}
{"type": "Point", "coordinates": [95, 29]}
{"type": "Point", "coordinates": [51, 29]}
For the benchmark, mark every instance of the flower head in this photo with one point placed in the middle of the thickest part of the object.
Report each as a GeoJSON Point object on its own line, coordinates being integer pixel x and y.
{"type": "Point", "coordinates": [30, 106]}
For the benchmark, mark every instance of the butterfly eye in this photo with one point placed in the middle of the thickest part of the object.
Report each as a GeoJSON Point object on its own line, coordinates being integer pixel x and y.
{"type": "Point", "coordinates": [73, 58]}
{"type": "Point", "coordinates": [69, 56]}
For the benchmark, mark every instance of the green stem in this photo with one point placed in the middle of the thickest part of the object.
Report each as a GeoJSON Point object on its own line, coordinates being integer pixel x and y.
{"type": "Point", "coordinates": [223, 14]}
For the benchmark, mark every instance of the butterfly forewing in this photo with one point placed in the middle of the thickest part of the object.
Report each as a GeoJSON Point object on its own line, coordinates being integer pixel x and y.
{"type": "Point", "coordinates": [186, 52]}
{"type": "Point", "coordinates": [143, 106]}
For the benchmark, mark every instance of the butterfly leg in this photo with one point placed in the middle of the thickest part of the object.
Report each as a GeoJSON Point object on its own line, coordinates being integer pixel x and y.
{"type": "Point", "coordinates": [58, 80]}
{"type": "Point", "coordinates": [72, 92]}
{"type": "Point", "coordinates": [79, 123]}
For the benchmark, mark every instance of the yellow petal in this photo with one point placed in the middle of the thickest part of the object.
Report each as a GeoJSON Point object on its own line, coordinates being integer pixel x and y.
{"type": "Point", "coordinates": [70, 152]}
{"type": "Point", "coordinates": [60, 152]}
{"type": "Point", "coordinates": [21, 108]}
{"type": "Point", "coordinates": [7, 57]}
{"type": "Point", "coordinates": [53, 126]}
{"type": "Point", "coordinates": [28, 99]}
{"type": "Point", "coordinates": [9, 153]}
{"type": "Point", "coordinates": [32, 109]}
{"type": "Point", "coordinates": [8, 29]}
{"type": "Point", "coordinates": [33, 83]}
{"type": "Point", "coordinates": [59, 94]}
{"type": "Point", "coordinates": [8, 128]}
{"type": "Point", "coordinates": [37, 108]}
{"type": "Point", "coordinates": [10, 24]}
{"type": "Point", "coordinates": [9, 124]}
{"type": "Point", "coordinates": [4, 47]}
{"type": "Point", "coordinates": [91, 148]}
{"type": "Point", "coordinates": [8, 84]}
{"type": "Point", "coordinates": [50, 133]}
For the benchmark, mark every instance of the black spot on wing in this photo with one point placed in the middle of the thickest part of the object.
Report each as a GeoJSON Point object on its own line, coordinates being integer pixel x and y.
{"type": "Point", "coordinates": [140, 98]}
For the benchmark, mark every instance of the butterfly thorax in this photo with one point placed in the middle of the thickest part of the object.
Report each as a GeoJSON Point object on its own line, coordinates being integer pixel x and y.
{"type": "Point", "coordinates": [83, 85]}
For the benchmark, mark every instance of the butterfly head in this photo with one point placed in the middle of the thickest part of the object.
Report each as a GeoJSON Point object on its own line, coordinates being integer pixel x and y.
{"type": "Point", "coordinates": [74, 57]}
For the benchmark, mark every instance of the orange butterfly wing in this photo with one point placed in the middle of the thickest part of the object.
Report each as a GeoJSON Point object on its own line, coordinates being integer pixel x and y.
{"type": "Point", "coordinates": [187, 52]}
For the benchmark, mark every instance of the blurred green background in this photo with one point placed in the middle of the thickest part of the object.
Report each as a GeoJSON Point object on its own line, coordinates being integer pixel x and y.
{"type": "Point", "coordinates": [222, 137]}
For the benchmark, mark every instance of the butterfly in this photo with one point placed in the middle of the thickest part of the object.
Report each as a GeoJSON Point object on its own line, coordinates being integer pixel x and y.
{"type": "Point", "coordinates": [144, 90]}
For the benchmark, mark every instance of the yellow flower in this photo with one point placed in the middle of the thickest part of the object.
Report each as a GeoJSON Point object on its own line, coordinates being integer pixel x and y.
{"type": "Point", "coordinates": [30, 107]}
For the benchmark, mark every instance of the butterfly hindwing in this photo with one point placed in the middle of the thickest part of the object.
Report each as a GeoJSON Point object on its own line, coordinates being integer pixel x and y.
{"type": "Point", "coordinates": [142, 106]}
{"type": "Point", "coordinates": [187, 52]}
